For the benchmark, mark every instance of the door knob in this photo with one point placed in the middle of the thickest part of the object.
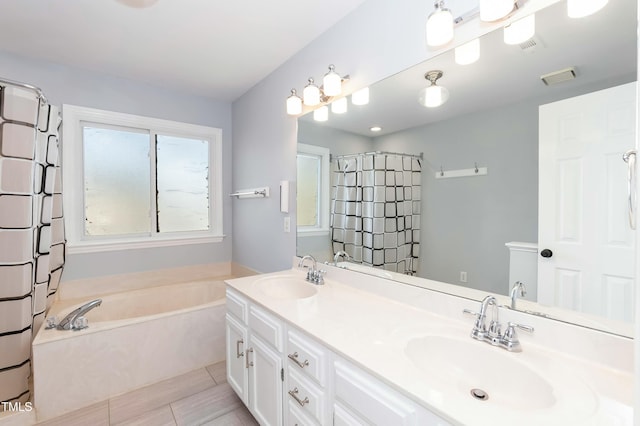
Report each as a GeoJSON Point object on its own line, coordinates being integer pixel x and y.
{"type": "Point", "coordinates": [546, 253]}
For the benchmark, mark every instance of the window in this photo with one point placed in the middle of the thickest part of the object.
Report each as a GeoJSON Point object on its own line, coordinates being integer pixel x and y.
{"type": "Point", "coordinates": [312, 190]}
{"type": "Point", "coordinates": [132, 182]}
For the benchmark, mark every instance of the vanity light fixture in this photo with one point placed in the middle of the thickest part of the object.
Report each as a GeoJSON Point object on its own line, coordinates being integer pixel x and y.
{"type": "Point", "coordinates": [433, 95]}
{"type": "Point", "coordinates": [294, 103]}
{"type": "Point", "coordinates": [520, 31]}
{"type": "Point", "coordinates": [439, 25]}
{"type": "Point", "coordinates": [495, 10]}
{"type": "Point", "coordinates": [582, 8]}
{"type": "Point", "coordinates": [339, 106]}
{"type": "Point", "coordinates": [360, 97]}
{"type": "Point", "coordinates": [467, 53]}
{"type": "Point", "coordinates": [312, 95]}
{"type": "Point", "coordinates": [321, 114]}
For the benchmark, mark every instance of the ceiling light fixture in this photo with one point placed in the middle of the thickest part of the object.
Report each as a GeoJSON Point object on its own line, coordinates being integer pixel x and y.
{"type": "Point", "coordinates": [312, 95]}
{"type": "Point", "coordinates": [520, 31]}
{"type": "Point", "coordinates": [439, 25]}
{"type": "Point", "coordinates": [360, 97]}
{"type": "Point", "coordinates": [468, 53]}
{"type": "Point", "coordinates": [582, 8]}
{"type": "Point", "coordinates": [375, 128]}
{"type": "Point", "coordinates": [433, 95]}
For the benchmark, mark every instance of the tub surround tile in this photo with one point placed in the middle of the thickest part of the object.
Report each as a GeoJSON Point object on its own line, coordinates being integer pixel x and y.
{"type": "Point", "coordinates": [162, 416]}
{"type": "Point", "coordinates": [149, 398]}
{"type": "Point", "coordinates": [218, 372]}
{"type": "Point", "coordinates": [94, 415]}
{"type": "Point", "coordinates": [206, 405]}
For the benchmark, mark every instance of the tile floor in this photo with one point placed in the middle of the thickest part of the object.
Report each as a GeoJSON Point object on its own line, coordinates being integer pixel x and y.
{"type": "Point", "coordinates": [201, 397]}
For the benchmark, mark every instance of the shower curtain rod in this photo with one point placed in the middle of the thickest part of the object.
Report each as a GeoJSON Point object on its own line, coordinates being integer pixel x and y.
{"type": "Point", "coordinates": [38, 91]}
{"type": "Point", "coordinates": [331, 156]}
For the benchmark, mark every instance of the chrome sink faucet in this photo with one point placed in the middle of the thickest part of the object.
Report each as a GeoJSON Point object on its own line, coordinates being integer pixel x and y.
{"type": "Point", "coordinates": [75, 320]}
{"type": "Point", "coordinates": [340, 254]}
{"type": "Point", "coordinates": [314, 275]}
{"type": "Point", "coordinates": [493, 334]}
{"type": "Point", "coordinates": [518, 287]}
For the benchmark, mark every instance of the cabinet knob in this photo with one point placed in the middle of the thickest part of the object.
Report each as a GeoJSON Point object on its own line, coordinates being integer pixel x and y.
{"type": "Point", "coordinates": [546, 253]}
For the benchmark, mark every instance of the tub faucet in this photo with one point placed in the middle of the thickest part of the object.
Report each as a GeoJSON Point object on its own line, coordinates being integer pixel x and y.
{"type": "Point", "coordinates": [518, 287]}
{"type": "Point", "coordinates": [73, 320]}
{"type": "Point", "coordinates": [340, 254]}
{"type": "Point", "coordinates": [313, 274]}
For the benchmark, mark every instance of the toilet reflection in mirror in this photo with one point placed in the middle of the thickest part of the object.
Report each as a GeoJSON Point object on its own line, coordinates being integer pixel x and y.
{"type": "Point", "coordinates": [554, 178]}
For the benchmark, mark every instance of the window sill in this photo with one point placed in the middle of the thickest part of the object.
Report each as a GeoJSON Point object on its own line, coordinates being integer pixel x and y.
{"type": "Point", "coordinates": [81, 247]}
{"type": "Point", "coordinates": [312, 233]}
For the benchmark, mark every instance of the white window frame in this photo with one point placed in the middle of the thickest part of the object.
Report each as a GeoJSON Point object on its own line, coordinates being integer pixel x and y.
{"type": "Point", "coordinates": [325, 189]}
{"type": "Point", "coordinates": [73, 180]}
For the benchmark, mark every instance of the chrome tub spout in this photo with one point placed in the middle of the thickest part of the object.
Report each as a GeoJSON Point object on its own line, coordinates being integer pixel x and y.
{"type": "Point", "coordinates": [71, 321]}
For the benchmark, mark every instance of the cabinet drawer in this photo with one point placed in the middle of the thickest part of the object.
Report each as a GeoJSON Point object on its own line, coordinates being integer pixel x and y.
{"type": "Point", "coordinates": [266, 326]}
{"type": "Point", "coordinates": [371, 399]}
{"type": "Point", "coordinates": [295, 417]}
{"type": "Point", "coordinates": [237, 305]}
{"type": "Point", "coordinates": [307, 356]}
{"type": "Point", "coordinates": [305, 395]}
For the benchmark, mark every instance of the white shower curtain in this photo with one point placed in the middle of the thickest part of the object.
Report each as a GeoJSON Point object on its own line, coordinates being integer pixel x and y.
{"type": "Point", "coordinates": [375, 209]}
{"type": "Point", "coordinates": [31, 229]}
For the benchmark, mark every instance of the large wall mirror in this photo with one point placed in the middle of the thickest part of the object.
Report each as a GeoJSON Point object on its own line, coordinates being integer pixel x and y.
{"type": "Point", "coordinates": [472, 192]}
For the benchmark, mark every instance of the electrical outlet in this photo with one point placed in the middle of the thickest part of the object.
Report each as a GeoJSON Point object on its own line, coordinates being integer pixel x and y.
{"type": "Point", "coordinates": [463, 277]}
{"type": "Point", "coordinates": [287, 224]}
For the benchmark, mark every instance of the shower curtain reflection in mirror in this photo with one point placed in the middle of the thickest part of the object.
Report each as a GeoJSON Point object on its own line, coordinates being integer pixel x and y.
{"type": "Point", "coordinates": [375, 209]}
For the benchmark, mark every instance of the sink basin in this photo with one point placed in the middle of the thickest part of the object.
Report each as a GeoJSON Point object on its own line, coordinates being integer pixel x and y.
{"type": "Point", "coordinates": [468, 365]}
{"type": "Point", "coordinates": [285, 287]}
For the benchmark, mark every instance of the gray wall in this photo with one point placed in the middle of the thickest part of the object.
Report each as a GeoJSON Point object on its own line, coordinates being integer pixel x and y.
{"type": "Point", "coordinates": [62, 84]}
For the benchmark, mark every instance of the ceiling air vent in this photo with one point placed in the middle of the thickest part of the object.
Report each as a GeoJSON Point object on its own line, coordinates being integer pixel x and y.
{"type": "Point", "coordinates": [559, 76]}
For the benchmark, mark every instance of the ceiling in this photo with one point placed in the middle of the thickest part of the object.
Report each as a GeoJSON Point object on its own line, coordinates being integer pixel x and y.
{"type": "Point", "coordinates": [601, 47]}
{"type": "Point", "coordinates": [214, 48]}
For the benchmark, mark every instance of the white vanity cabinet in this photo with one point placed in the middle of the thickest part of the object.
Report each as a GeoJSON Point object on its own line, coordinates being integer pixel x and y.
{"type": "Point", "coordinates": [254, 358]}
{"type": "Point", "coordinates": [306, 395]}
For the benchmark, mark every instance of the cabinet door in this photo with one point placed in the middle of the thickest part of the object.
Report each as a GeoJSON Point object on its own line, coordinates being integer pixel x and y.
{"type": "Point", "coordinates": [265, 382]}
{"type": "Point", "coordinates": [237, 375]}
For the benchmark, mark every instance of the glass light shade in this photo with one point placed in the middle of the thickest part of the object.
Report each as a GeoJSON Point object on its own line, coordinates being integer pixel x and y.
{"type": "Point", "coordinates": [321, 114]}
{"type": "Point", "coordinates": [332, 83]}
{"type": "Point", "coordinates": [468, 53]}
{"type": "Point", "coordinates": [520, 31]}
{"type": "Point", "coordinates": [294, 103]}
{"type": "Point", "coordinates": [581, 8]}
{"type": "Point", "coordinates": [433, 96]}
{"type": "Point", "coordinates": [494, 10]}
{"type": "Point", "coordinates": [439, 27]}
{"type": "Point", "coordinates": [311, 94]}
{"type": "Point", "coordinates": [339, 106]}
{"type": "Point", "coordinates": [361, 97]}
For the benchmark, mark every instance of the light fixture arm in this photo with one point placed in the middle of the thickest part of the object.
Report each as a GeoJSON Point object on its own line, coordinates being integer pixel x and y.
{"type": "Point", "coordinates": [475, 13]}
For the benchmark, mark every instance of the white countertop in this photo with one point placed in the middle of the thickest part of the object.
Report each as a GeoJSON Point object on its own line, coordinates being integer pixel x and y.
{"type": "Point", "coordinates": [373, 331]}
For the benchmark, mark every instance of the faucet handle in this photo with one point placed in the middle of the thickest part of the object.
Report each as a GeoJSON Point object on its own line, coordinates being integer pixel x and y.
{"type": "Point", "coordinates": [470, 312]}
{"type": "Point", "coordinates": [510, 338]}
{"type": "Point", "coordinates": [512, 325]}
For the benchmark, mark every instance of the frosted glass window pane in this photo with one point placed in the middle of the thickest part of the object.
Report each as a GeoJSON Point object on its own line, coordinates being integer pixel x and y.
{"type": "Point", "coordinates": [182, 174]}
{"type": "Point", "coordinates": [308, 190]}
{"type": "Point", "coordinates": [116, 182]}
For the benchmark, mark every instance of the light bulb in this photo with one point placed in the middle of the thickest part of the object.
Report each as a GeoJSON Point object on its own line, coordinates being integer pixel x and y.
{"type": "Point", "coordinates": [520, 31]}
{"type": "Point", "coordinates": [321, 114]}
{"type": "Point", "coordinates": [339, 106]}
{"type": "Point", "coordinates": [494, 10]}
{"type": "Point", "coordinates": [582, 8]}
{"type": "Point", "coordinates": [361, 97]}
{"type": "Point", "coordinates": [439, 26]}
{"type": "Point", "coordinates": [311, 94]}
{"type": "Point", "coordinates": [468, 53]}
{"type": "Point", "coordinates": [294, 103]}
{"type": "Point", "coordinates": [332, 83]}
